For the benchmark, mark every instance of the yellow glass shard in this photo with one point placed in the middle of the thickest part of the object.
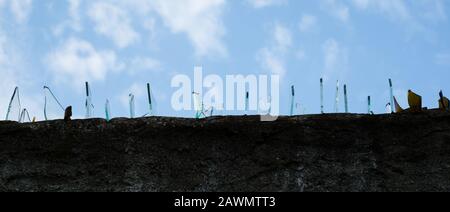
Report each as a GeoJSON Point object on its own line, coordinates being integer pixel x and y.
{"type": "Point", "coordinates": [444, 103]}
{"type": "Point", "coordinates": [414, 101]}
{"type": "Point", "coordinates": [398, 108]}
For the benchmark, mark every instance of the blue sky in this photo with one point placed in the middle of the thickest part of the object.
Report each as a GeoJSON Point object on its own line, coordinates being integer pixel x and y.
{"type": "Point", "coordinates": [119, 46]}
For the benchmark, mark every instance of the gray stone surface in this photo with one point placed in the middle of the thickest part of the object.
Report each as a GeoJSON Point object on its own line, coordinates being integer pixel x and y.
{"type": "Point", "coordinates": [405, 152]}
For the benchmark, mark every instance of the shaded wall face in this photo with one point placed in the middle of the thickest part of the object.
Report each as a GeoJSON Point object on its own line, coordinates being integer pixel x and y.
{"type": "Point", "coordinates": [409, 152]}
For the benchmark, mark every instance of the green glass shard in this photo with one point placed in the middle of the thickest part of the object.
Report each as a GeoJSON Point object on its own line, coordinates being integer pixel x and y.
{"type": "Point", "coordinates": [14, 107]}
{"type": "Point", "coordinates": [51, 103]}
{"type": "Point", "coordinates": [107, 111]}
{"type": "Point", "coordinates": [89, 106]}
{"type": "Point", "coordinates": [198, 106]}
{"type": "Point", "coordinates": [150, 103]}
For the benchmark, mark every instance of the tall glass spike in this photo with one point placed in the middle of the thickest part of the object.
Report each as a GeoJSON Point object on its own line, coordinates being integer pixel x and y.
{"type": "Point", "coordinates": [321, 96]}
{"type": "Point", "coordinates": [247, 102]}
{"type": "Point", "coordinates": [14, 107]}
{"type": "Point", "coordinates": [391, 89]}
{"type": "Point", "coordinates": [89, 106]}
{"type": "Point", "coordinates": [24, 116]}
{"type": "Point", "coordinates": [198, 105]}
{"type": "Point", "coordinates": [48, 106]}
{"type": "Point", "coordinates": [132, 107]}
{"type": "Point", "coordinates": [107, 111]}
{"type": "Point", "coordinates": [336, 102]}
{"type": "Point", "coordinates": [292, 100]}
{"type": "Point", "coordinates": [346, 99]}
{"type": "Point", "coordinates": [150, 103]}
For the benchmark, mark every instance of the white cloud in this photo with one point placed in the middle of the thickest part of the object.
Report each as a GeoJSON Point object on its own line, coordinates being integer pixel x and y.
{"type": "Point", "coordinates": [74, 13]}
{"type": "Point", "coordinates": [21, 9]}
{"type": "Point", "coordinates": [199, 19]}
{"type": "Point", "coordinates": [74, 21]}
{"type": "Point", "coordinates": [113, 22]}
{"type": "Point", "coordinates": [273, 58]}
{"type": "Point", "coordinates": [307, 23]}
{"type": "Point", "coordinates": [265, 3]}
{"type": "Point", "coordinates": [402, 11]}
{"type": "Point", "coordinates": [282, 37]}
{"type": "Point", "coordinates": [13, 73]}
{"type": "Point", "coordinates": [77, 61]}
{"type": "Point", "coordinates": [395, 9]}
{"type": "Point", "coordinates": [337, 9]}
{"type": "Point", "coordinates": [139, 64]}
{"type": "Point", "coordinates": [272, 62]}
{"type": "Point", "coordinates": [335, 59]}
{"type": "Point", "coordinates": [414, 16]}
{"type": "Point", "coordinates": [434, 10]}
{"type": "Point", "coordinates": [9, 78]}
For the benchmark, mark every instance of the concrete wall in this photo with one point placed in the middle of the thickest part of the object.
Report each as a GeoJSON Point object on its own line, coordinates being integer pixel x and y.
{"type": "Point", "coordinates": [408, 152]}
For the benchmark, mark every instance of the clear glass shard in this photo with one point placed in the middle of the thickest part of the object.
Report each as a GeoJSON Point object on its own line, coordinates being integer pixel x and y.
{"type": "Point", "coordinates": [198, 106]}
{"type": "Point", "coordinates": [247, 102]}
{"type": "Point", "coordinates": [14, 107]}
{"type": "Point", "coordinates": [391, 90]}
{"type": "Point", "coordinates": [336, 102]}
{"type": "Point", "coordinates": [321, 96]}
{"type": "Point", "coordinates": [388, 108]}
{"type": "Point", "coordinates": [24, 116]}
{"type": "Point", "coordinates": [150, 100]}
{"type": "Point", "coordinates": [292, 101]}
{"type": "Point", "coordinates": [132, 106]}
{"type": "Point", "coordinates": [52, 105]}
{"type": "Point", "coordinates": [346, 99]}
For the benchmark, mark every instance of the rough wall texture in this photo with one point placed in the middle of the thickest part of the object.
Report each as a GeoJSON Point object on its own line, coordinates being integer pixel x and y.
{"type": "Point", "coordinates": [406, 152]}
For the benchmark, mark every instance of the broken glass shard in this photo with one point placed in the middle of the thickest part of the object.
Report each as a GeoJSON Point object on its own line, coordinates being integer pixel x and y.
{"type": "Point", "coordinates": [321, 96]}
{"type": "Point", "coordinates": [14, 107]}
{"type": "Point", "coordinates": [52, 106]}
{"type": "Point", "coordinates": [132, 107]}
{"type": "Point", "coordinates": [346, 99]}
{"type": "Point", "coordinates": [24, 116]}
{"type": "Point", "coordinates": [292, 101]}
{"type": "Point", "coordinates": [107, 111]}
{"type": "Point", "coordinates": [336, 101]}
{"type": "Point", "coordinates": [89, 106]}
